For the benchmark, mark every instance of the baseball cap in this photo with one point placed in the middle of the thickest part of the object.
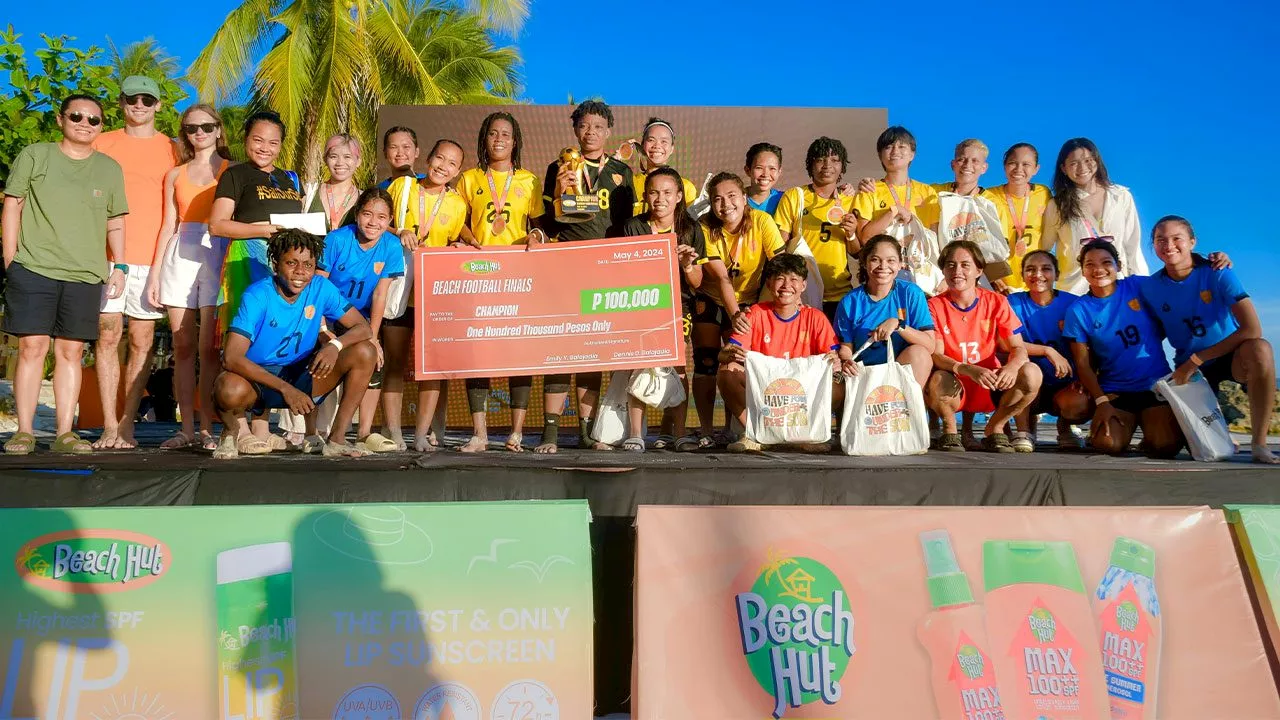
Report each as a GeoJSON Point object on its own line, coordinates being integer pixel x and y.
{"type": "Point", "coordinates": [140, 85]}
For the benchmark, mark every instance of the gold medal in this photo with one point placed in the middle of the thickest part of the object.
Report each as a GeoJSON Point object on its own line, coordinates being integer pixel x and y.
{"type": "Point", "coordinates": [499, 224]}
{"type": "Point", "coordinates": [627, 150]}
{"type": "Point", "coordinates": [835, 213]}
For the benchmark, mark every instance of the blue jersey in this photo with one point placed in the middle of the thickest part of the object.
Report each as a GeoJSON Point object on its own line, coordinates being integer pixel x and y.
{"type": "Point", "coordinates": [858, 315]}
{"type": "Point", "coordinates": [1195, 311]}
{"type": "Point", "coordinates": [770, 203]}
{"type": "Point", "coordinates": [281, 332]}
{"type": "Point", "coordinates": [355, 270]}
{"type": "Point", "coordinates": [1044, 326]}
{"type": "Point", "coordinates": [1122, 336]}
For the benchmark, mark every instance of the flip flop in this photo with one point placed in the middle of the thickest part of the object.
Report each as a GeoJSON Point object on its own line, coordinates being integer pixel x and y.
{"type": "Point", "coordinates": [663, 442]}
{"type": "Point", "coordinates": [633, 444]}
{"type": "Point", "coordinates": [20, 444]}
{"type": "Point", "coordinates": [207, 441]}
{"type": "Point", "coordinates": [345, 450]}
{"type": "Point", "coordinates": [69, 443]}
{"type": "Point", "coordinates": [515, 442]}
{"type": "Point", "coordinates": [688, 443]}
{"type": "Point", "coordinates": [178, 441]}
{"type": "Point", "coordinates": [375, 442]}
{"type": "Point", "coordinates": [253, 445]}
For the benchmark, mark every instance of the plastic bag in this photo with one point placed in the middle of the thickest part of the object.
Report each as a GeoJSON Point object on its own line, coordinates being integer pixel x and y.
{"type": "Point", "coordinates": [611, 424]}
{"type": "Point", "coordinates": [884, 411]}
{"type": "Point", "coordinates": [1196, 407]}
{"type": "Point", "coordinates": [659, 388]}
{"type": "Point", "coordinates": [788, 401]}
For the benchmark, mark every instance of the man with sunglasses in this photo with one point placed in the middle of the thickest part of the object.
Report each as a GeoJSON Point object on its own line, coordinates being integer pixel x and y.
{"type": "Point", "coordinates": [146, 156]}
{"type": "Point", "coordinates": [64, 204]}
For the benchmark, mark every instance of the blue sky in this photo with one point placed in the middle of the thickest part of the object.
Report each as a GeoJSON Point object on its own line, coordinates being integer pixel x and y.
{"type": "Point", "coordinates": [1172, 92]}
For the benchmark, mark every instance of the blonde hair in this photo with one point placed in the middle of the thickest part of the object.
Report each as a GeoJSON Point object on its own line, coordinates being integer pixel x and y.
{"type": "Point", "coordinates": [971, 143]}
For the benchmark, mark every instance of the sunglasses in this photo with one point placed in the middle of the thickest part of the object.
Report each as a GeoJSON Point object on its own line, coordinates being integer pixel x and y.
{"type": "Point", "coordinates": [1099, 239]}
{"type": "Point", "coordinates": [77, 117]}
{"type": "Point", "coordinates": [206, 128]}
{"type": "Point", "coordinates": [147, 100]}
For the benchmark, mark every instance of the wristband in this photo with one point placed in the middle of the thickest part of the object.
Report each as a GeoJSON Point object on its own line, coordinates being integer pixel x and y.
{"type": "Point", "coordinates": [1101, 400]}
{"type": "Point", "coordinates": [336, 343]}
{"type": "Point", "coordinates": [1195, 360]}
{"type": "Point", "coordinates": [121, 267]}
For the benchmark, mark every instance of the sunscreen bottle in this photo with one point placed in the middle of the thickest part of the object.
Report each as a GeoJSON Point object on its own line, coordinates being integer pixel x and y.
{"type": "Point", "coordinates": [1128, 613]}
{"type": "Point", "coordinates": [1041, 630]}
{"type": "Point", "coordinates": [964, 681]}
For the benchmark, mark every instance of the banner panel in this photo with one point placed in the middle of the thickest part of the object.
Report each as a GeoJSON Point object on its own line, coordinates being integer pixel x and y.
{"type": "Point", "coordinates": [952, 613]}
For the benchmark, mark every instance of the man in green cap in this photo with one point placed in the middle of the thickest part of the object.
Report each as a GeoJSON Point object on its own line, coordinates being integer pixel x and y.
{"type": "Point", "coordinates": [146, 156]}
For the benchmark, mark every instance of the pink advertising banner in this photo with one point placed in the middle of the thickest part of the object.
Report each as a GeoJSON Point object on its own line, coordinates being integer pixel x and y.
{"type": "Point", "coordinates": [952, 613]}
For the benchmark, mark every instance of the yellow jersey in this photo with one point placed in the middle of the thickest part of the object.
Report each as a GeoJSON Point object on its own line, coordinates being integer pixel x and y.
{"type": "Point", "coordinates": [825, 238]}
{"type": "Point", "coordinates": [523, 203]}
{"type": "Point", "coordinates": [418, 208]}
{"type": "Point", "coordinates": [743, 255]}
{"type": "Point", "coordinates": [1029, 211]}
{"type": "Point", "coordinates": [948, 187]}
{"type": "Point", "coordinates": [641, 207]}
{"type": "Point", "coordinates": [922, 198]}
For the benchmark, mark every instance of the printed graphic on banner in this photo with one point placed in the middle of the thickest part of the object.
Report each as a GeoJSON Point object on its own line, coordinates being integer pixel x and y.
{"type": "Point", "coordinates": [956, 613]}
{"type": "Point", "coordinates": [465, 611]}
{"type": "Point", "coordinates": [504, 311]}
{"type": "Point", "coordinates": [1258, 529]}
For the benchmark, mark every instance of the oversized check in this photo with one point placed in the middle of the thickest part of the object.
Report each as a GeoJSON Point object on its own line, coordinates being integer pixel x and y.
{"type": "Point", "coordinates": [561, 307]}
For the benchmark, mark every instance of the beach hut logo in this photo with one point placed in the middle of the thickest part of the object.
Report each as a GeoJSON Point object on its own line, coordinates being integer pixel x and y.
{"type": "Point", "coordinates": [92, 561]}
{"type": "Point", "coordinates": [796, 627]}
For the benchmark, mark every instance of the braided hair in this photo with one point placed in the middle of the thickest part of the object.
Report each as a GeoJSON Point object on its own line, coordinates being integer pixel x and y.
{"type": "Point", "coordinates": [293, 239]}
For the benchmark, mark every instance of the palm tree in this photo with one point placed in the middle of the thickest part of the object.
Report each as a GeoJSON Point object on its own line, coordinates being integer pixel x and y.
{"type": "Point", "coordinates": [143, 58]}
{"type": "Point", "coordinates": [327, 65]}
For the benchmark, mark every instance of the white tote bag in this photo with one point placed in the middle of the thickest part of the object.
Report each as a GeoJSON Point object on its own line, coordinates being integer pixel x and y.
{"type": "Point", "coordinates": [659, 388]}
{"type": "Point", "coordinates": [1196, 408]}
{"type": "Point", "coordinates": [920, 251]}
{"type": "Point", "coordinates": [401, 287]}
{"type": "Point", "coordinates": [884, 412]}
{"type": "Point", "coordinates": [611, 424]}
{"type": "Point", "coordinates": [813, 288]}
{"type": "Point", "coordinates": [972, 218]}
{"type": "Point", "coordinates": [788, 401]}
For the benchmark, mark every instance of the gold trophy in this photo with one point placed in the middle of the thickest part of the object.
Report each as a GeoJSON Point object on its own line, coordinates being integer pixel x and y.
{"type": "Point", "coordinates": [576, 206]}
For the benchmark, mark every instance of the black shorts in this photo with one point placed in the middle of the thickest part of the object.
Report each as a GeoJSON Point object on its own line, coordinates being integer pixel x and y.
{"type": "Point", "coordinates": [1137, 401]}
{"type": "Point", "coordinates": [1218, 370]}
{"type": "Point", "coordinates": [297, 374]}
{"type": "Point", "coordinates": [706, 311]}
{"type": "Point", "coordinates": [829, 308]}
{"type": "Point", "coordinates": [38, 305]}
{"type": "Point", "coordinates": [404, 321]}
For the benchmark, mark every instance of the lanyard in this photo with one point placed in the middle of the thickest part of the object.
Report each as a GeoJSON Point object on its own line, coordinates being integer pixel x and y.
{"type": "Point", "coordinates": [333, 221]}
{"type": "Point", "coordinates": [424, 228]}
{"type": "Point", "coordinates": [586, 176]}
{"type": "Point", "coordinates": [499, 201]}
{"type": "Point", "coordinates": [1019, 224]}
{"type": "Point", "coordinates": [894, 193]}
{"type": "Point", "coordinates": [1087, 218]}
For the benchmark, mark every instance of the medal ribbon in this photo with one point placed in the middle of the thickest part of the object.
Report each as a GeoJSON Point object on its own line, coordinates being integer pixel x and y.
{"type": "Point", "coordinates": [499, 201]}
{"type": "Point", "coordinates": [1019, 224]}
{"type": "Point", "coordinates": [894, 193]}
{"type": "Point", "coordinates": [328, 191]}
{"type": "Point", "coordinates": [424, 228]}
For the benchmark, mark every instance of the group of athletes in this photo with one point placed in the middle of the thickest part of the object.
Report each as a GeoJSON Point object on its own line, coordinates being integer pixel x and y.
{"type": "Point", "coordinates": [280, 318]}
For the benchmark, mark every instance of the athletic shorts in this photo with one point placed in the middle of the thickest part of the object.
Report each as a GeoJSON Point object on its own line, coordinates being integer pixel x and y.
{"type": "Point", "coordinates": [1137, 401]}
{"type": "Point", "coordinates": [975, 398]}
{"type": "Point", "coordinates": [39, 305]}
{"type": "Point", "coordinates": [404, 321]}
{"type": "Point", "coordinates": [133, 301]}
{"type": "Point", "coordinates": [192, 268]}
{"type": "Point", "coordinates": [706, 311]}
{"type": "Point", "coordinates": [297, 374]}
{"type": "Point", "coordinates": [1218, 370]}
{"type": "Point", "coordinates": [1044, 401]}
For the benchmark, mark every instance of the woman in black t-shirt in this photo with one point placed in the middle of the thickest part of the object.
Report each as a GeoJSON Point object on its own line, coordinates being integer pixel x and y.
{"type": "Point", "coordinates": [247, 195]}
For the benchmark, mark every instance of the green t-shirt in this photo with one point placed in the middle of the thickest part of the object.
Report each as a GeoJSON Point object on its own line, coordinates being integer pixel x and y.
{"type": "Point", "coordinates": [63, 230]}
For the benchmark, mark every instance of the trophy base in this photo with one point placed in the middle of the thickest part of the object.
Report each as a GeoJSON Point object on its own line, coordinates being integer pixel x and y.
{"type": "Point", "coordinates": [576, 208]}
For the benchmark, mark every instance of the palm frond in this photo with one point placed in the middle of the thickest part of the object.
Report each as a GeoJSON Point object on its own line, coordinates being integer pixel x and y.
{"type": "Point", "coordinates": [285, 78]}
{"type": "Point", "coordinates": [506, 16]}
{"type": "Point", "coordinates": [224, 63]}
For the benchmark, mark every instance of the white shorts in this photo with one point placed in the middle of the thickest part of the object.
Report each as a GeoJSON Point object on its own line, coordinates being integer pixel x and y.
{"type": "Point", "coordinates": [192, 268]}
{"type": "Point", "coordinates": [133, 301]}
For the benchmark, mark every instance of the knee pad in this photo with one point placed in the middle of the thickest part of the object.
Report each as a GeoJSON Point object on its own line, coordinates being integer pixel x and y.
{"type": "Point", "coordinates": [590, 381]}
{"type": "Point", "coordinates": [706, 361]}
{"type": "Point", "coordinates": [555, 384]}
{"type": "Point", "coordinates": [477, 394]}
{"type": "Point", "coordinates": [520, 391]}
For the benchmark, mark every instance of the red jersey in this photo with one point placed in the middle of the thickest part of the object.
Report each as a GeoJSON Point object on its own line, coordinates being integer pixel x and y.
{"type": "Point", "coordinates": [806, 333]}
{"type": "Point", "coordinates": [969, 334]}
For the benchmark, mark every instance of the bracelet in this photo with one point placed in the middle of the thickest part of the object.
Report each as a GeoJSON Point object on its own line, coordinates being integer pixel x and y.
{"type": "Point", "coordinates": [121, 267]}
{"type": "Point", "coordinates": [1101, 400]}
{"type": "Point", "coordinates": [336, 343]}
{"type": "Point", "coordinates": [1195, 359]}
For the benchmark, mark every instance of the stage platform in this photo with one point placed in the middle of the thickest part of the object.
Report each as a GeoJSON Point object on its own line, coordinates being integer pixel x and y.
{"type": "Point", "coordinates": [615, 483]}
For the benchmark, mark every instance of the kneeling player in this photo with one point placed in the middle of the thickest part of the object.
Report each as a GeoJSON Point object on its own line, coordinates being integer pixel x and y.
{"type": "Point", "coordinates": [781, 328]}
{"type": "Point", "coordinates": [968, 376]}
{"type": "Point", "coordinates": [270, 359]}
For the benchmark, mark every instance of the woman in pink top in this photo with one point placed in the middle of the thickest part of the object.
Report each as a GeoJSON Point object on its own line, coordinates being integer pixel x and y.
{"type": "Point", "coordinates": [190, 265]}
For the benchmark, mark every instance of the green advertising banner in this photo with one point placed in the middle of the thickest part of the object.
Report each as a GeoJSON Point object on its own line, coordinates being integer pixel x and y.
{"type": "Point", "coordinates": [1257, 528]}
{"type": "Point", "coordinates": [457, 611]}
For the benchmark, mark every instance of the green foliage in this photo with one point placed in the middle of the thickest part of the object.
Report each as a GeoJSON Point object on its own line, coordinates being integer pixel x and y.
{"type": "Point", "coordinates": [1235, 409]}
{"type": "Point", "coordinates": [33, 91]}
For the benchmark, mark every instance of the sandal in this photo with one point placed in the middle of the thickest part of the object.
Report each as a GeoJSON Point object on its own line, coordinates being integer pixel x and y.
{"type": "Point", "coordinates": [950, 442]}
{"type": "Point", "coordinates": [1022, 443]}
{"type": "Point", "coordinates": [178, 441]}
{"type": "Point", "coordinates": [344, 450]}
{"type": "Point", "coordinates": [998, 443]}
{"type": "Point", "coordinates": [207, 441]}
{"type": "Point", "coordinates": [688, 443]}
{"type": "Point", "coordinates": [71, 444]}
{"type": "Point", "coordinates": [226, 449]}
{"type": "Point", "coordinates": [514, 442]}
{"type": "Point", "coordinates": [375, 442]}
{"type": "Point", "coordinates": [20, 444]}
{"type": "Point", "coordinates": [276, 442]}
{"type": "Point", "coordinates": [746, 444]}
{"type": "Point", "coordinates": [475, 444]}
{"type": "Point", "coordinates": [663, 442]}
{"type": "Point", "coordinates": [633, 444]}
{"type": "Point", "coordinates": [253, 445]}
{"type": "Point", "coordinates": [706, 442]}
{"type": "Point", "coordinates": [312, 444]}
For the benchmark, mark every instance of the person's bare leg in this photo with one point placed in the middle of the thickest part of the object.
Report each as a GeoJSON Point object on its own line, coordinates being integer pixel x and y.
{"type": "Point", "coordinates": [67, 372]}
{"type": "Point", "coordinates": [943, 395]}
{"type": "Point", "coordinates": [137, 370]}
{"type": "Point", "coordinates": [210, 365]}
{"type": "Point", "coordinates": [732, 383]}
{"type": "Point", "coordinates": [552, 405]}
{"type": "Point", "coordinates": [353, 369]}
{"type": "Point", "coordinates": [1254, 365]}
{"type": "Point", "coordinates": [106, 364]}
{"type": "Point", "coordinates": [706, 338]}
{"type": "Point", "coordinates": [368, 407]}
{"type": "Point", "coordinates": [429, 392]}
{"type": "Point", "coordinates": [182, 323]}
{"type": "Point", "coordinates": [395, 354]}
{"type": "Point", "coordinates": [32, 350]}
{"type": "Point", "coordinates": [678, 416]}
{"type": "Point", "coordinates": [1016, 399]}
{"type": "Point", "coordinates": [479, 441]}
{"type": "Point", "coordinates": [920, 361]}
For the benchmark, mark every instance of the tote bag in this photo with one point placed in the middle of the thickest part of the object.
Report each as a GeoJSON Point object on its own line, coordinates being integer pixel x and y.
{"type": "Point", "coordinates": [1196, 407]}
{"type": "Point", "coordinates": [884, 412]}
{"type": "Point", "coordinates": [965, 217]}
{"type": "Point", "coordinates": [611, 423]}
{"type": "Point", "coordinates": [788, 401]}
{"type": "Point", "coordinates": [920, 251]}
{"type": "Point", "coordinates": [659, 388]}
